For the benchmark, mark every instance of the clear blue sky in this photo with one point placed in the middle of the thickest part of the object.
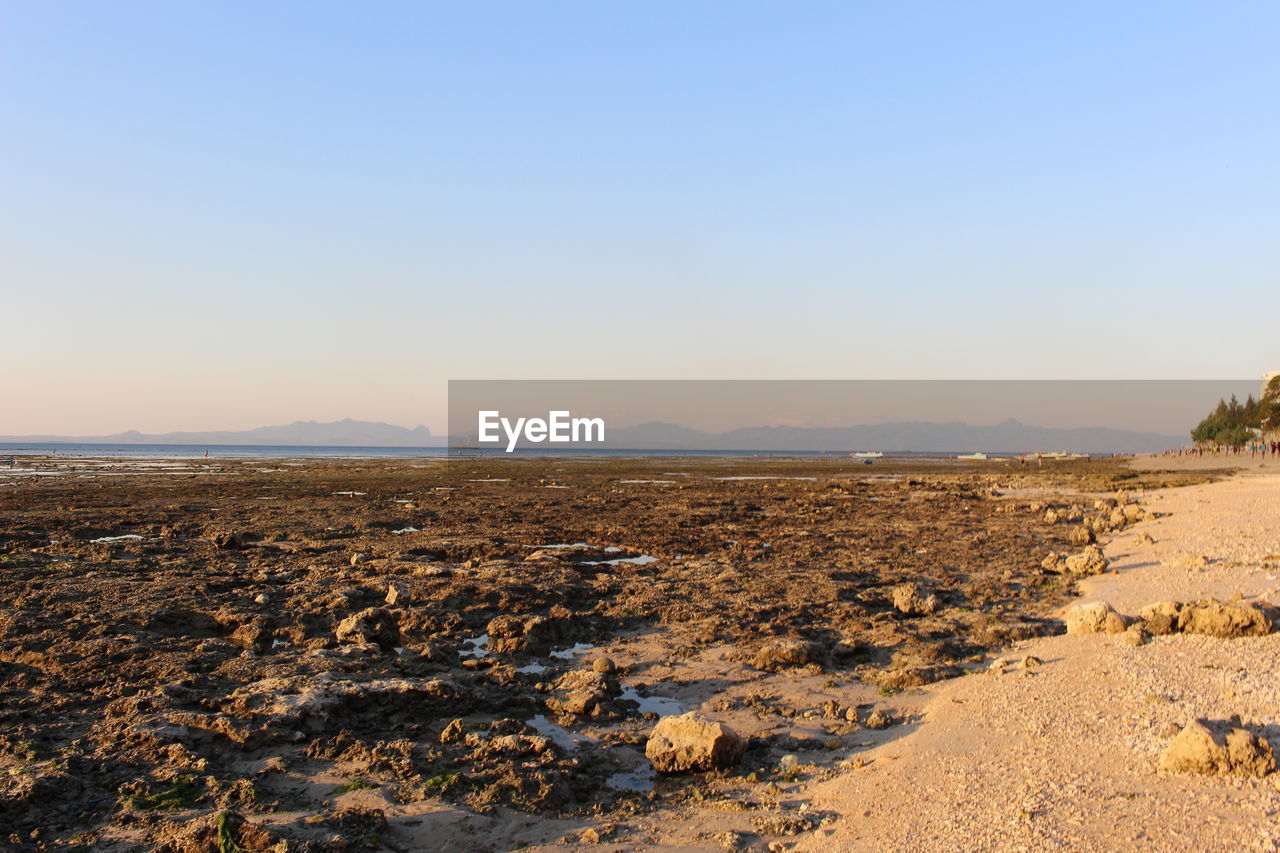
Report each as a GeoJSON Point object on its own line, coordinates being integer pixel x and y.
{"type": "Point", "coordinates": [219, 215]}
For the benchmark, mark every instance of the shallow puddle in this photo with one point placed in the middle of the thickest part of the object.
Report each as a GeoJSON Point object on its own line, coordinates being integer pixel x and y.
{"type": "Point", "coordinates": [559, 735]}
{"type": "Point", "coordinates": [573, 651]}
{"type": "Point", "coordinates": [640, 779]}
{"type": "Point", "coordinates": [642, 560]}
{"type": "Point", "coordinates": [663, 706]}
{"type": "Point", "coordinates": [479, 647]}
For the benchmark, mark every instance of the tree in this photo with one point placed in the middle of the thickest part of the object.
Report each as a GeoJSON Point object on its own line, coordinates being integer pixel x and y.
{"type": "Point", "coordinates": [1233, 423]}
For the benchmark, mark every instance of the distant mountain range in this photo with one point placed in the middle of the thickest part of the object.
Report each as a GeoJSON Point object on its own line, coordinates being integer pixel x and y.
{"type": "Point", "coordinates": [1011, 436]}
{"type": "Point", "coordinates": [344, 433]}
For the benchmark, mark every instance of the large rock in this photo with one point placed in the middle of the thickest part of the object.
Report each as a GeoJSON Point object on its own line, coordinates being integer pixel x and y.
{"type": "Point", "coordinates": [783, 654]}
{"type": "Point", "coordinates": [912, 600]}
{"type": "Point", "coordinates": [1224, 620]}
{"type": "Point", "coordinates": [1088, 562]}
{"type": "Point", "coordinates": [1217, 748]}
{"type": "Point", "coordinates": [1095, 618]}
{"type": "Point", "coordinates": [689, 743]}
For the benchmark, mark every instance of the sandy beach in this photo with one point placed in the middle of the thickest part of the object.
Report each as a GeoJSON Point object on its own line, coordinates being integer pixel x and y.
{"type": "Point", "coordinates": [1064, 756]}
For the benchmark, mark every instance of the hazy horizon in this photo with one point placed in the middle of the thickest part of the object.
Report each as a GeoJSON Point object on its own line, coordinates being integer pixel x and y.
{"type": "Point", "coordinates": [238, 214]}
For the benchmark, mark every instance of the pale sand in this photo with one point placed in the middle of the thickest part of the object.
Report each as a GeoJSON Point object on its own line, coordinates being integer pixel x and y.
{"type": "Point", "coordinates": [1065, 758]}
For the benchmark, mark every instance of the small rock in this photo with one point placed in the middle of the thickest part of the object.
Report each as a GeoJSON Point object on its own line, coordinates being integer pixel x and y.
{"type": "Point", "coordinates": [584, 702]}
{"type": "Point", "coordinates": [454, 732]}
{"type": "Point", "coordinates": [780, 655]}
{"type": "Point", "coordinates": [1081, 535]}
{"type": "Point", "coordinates": [1090, 561]}
{"type": "Point", "coordinates": [1136, 636]}
{"type": "Point", "coordinates": [373, 625]}
{"type": "Point", "coordinates": [1191, 561]}
{"type": "Point", "coordinates": [358, 558]}
{"type": "Point", "coordinates": [731, 840]}
{"type": "Point", "coordinates": [1095, 618]}
{"type": "Point", "coordinates": [910, 600]}
{"type": "Point", "coordinates": [1224, 620]}
{"type": "Point", "coordinates": [1053, 563]}
{"type": "Point", "coordinates": [604, 665]}
{"type": "Point", "coordinates": [261, 598]}
{"type": "Point", "coordinates": [1218, 749]}
{"type": "Point", "coordinates": [1161, 617]}
{"type": "Point", "coordinates": [397, 593]}
{"type": "Point", "coordinates": [878, 719]}
{"type": "Point", "coordinates": [232, 541]}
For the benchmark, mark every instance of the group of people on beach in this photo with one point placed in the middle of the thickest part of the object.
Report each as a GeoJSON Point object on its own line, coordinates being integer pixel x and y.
{"type": "Point", "coordinates": [1255, 449]}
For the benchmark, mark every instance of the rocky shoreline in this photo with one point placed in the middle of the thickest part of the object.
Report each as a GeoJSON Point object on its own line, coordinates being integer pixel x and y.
{"type": "Point", "coordinates": [350, 655]}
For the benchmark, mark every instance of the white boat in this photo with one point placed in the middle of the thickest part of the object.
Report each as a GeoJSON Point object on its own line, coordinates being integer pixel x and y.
{"type": "Point", "coordinates": [867, 454]}
{"type": "Point", "coordinates": [979, 456]}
